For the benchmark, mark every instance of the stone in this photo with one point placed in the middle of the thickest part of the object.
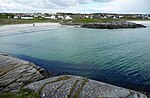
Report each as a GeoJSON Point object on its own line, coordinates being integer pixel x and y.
{"type": "Point", "coordinates": [15, 73]}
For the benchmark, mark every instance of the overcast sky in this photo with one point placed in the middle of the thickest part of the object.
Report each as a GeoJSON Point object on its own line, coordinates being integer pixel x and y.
{"type": "Point", "coordinates": [76, 6]}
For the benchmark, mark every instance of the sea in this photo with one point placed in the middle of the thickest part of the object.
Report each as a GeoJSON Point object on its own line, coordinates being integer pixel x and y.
{"type": "Point", "coordinates": [119, 57]}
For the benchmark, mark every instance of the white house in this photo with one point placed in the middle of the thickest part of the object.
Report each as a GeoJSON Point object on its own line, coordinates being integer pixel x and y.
{"type": "Point", "coordinates": [105, 17]}
{"type": "Point", "coordinates": [50, 17]}
{"type": "Point", "coordinates": [15, 17]}
{"type": "Point", "coordinates": [86, 16]}
{"type": "Point", "coordinates": [26, 17]}
{"type": "Point", "coordinates": [53, 17]}
{"type": "Point", "coordinates": [68, 17]}
{"type": "Point", "coordinates": [120, 16]}
{"type": "Point", "coordinates": [60, 17]}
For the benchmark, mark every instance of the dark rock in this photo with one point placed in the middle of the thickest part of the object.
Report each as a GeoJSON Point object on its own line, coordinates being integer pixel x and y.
{"type": "Point", "coordinates": [113, 25]}
{"type": "Point", "coordinates": [108, 25]}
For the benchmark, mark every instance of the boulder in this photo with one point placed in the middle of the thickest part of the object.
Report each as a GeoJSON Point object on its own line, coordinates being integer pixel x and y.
{"type": "Point", "coordinates": [15, 73]}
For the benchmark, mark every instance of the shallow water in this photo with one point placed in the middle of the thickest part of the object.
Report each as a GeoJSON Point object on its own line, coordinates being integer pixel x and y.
{"type": "Point", "coordinates": [120, 57]}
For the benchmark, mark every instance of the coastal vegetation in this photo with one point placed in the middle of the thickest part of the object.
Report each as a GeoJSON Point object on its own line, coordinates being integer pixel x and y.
{"type": "Point", "coordinates": [26, 21]}
{"type": "Point", "coordinates": [22, 93]}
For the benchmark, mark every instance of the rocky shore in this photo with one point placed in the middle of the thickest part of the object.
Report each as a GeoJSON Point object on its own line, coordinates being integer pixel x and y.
{"type": "Point", "coordinates": [18, 74]}
{"type": "Point", "coordinates": [107, 25]}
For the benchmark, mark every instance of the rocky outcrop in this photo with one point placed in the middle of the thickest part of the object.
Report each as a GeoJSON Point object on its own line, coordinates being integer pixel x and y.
{"type": "Point", "coordinates": [108, 25]}
{"type": "Point", "coordinates": [113, 25]}
{"type": "Point", "coordinates": [68, 86]}
{"type": "Point", "coordinates": [18, 74]}
{"type": "Point", "coordinates": [15, 73]}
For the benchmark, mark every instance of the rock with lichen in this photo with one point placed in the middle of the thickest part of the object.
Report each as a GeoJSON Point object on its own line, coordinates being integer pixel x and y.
{"type": "Point", "coordinates": [68, 86]}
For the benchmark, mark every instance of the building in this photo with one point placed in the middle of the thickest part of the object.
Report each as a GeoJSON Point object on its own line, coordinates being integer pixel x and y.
{"type": "Point", "coordinates": [60, 17]}
{"type": "Point", "coordinates": [26, 17]}
{"type": "Point", "coordinates": [52, 17]}
{"type": "Point", "coordinates": [68, 17]}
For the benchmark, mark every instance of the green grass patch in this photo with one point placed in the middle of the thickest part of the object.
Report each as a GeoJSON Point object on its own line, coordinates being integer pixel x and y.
{"type": "Point", "coordinates": [26, 21]}
{"type": "Point", "coordinates": [92, 20]}
{"type": "Point", "coordinates": [23, 93]}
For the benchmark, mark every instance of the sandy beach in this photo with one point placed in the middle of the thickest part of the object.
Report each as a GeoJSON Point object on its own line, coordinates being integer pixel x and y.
{"type": "Point", "coordinates": [19, 28]}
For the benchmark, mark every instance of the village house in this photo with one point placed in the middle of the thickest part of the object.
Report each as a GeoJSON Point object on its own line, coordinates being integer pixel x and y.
{"type": "Point", "coordinates": [16, 17]}
{"type": "Point", "coordinates": [53, 17]}
{"type": "Point", "coordinates": [26, 17]}
{"type": "Point", "coordinates": [60, 17]}
{"type": "Point", "coordinates": [68, 17]}
{"type": "Point", "coordinates": [149, 16]}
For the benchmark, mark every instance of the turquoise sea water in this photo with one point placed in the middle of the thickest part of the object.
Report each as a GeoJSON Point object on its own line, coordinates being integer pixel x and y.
{"type": "Point", "coordinates": [120, 57]}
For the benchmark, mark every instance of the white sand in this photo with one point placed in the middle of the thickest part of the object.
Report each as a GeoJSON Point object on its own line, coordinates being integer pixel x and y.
{"type": "Point", "coordinates": [146, 23]}
{"type": "Point", "coordinates": [20, 28]}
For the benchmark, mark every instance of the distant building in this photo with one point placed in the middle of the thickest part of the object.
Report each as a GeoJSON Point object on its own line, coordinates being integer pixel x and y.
{"type": "Point", "coordinates": [53, 17]}
{"type": "Point", "coordinates": [149, 16]}
{"type": "Point", "coordinates": [60, 17]}
{"type": "Point", "coordinates": [26, 17]}
{"type": "Point", "coordinates": [16, 17]}
{"type": "Point", "coordinates": [120, 16]}
{"type": "Point", "coordinates": [47, 17]}
{"type": "Point", "coordinates": [87, 16]}
{"type": "Point", "coordinates": [68, 17]}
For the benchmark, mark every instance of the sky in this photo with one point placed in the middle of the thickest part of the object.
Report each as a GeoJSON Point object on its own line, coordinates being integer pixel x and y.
{"type": "Point", "coordinates": [75, 6]}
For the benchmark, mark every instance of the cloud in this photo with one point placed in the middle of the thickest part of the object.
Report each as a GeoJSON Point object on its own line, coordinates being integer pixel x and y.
{"type": "Point", "coordinates": [75, 6]}
{"type": "Point", "coordinates": [74, 2]}
{"type": "Point", "coordinates": [48, 3]}
{"type": "Point", "coordinates": [126, 6]}
{"type": "Point", "coordinates": [103, 0]}
{"type": "Point", "coordinates": [40, 5]}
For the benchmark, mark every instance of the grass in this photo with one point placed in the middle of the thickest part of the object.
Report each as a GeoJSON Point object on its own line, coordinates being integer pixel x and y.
{"type": "Point", "coordinates": [26, 21]}
{"type": "Point", "coordinates": [92, 20]}
{"type": "Point", "coordinates": [134, 19]}
{"type": "Point", "coordinates": [5, 21]}
{"type": "Point", "coordinates": [23, 93]}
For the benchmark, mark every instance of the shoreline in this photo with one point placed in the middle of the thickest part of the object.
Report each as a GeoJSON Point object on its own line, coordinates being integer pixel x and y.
{"type": "Point", "coordinates": [14, 29]}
